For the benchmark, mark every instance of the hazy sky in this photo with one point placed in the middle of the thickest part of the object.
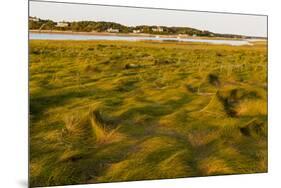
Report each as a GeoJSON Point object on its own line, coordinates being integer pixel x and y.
{"type": "Point", "coordinates": [250, 25]}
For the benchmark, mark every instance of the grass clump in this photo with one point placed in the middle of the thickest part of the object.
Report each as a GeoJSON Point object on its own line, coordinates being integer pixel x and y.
{"type": "Point", "coordinates": [104, 131]}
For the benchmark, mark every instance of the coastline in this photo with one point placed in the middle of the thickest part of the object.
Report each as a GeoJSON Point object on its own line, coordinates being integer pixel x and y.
{"type": "Point", "coordinates": [130, 35]}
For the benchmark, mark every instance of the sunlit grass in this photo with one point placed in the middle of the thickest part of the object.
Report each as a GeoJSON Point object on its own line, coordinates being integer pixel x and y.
{"type": "Point", "coordinates": [105, 111]}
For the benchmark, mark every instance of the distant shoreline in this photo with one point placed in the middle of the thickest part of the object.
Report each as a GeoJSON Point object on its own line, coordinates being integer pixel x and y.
{"type": "Point", "coordinates": [129, 34]}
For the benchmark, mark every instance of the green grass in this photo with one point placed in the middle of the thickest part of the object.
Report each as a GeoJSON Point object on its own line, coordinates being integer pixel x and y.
{"type": "Point", "coordinates": [105, 111]}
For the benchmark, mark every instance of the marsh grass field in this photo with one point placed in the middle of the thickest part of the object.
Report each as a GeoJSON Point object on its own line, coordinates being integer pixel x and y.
{"type": "Point", "coordinates": [107, 111]}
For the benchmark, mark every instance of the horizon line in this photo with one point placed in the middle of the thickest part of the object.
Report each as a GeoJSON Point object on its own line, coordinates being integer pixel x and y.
{"type": "Point", "coordinates": [155, 8]}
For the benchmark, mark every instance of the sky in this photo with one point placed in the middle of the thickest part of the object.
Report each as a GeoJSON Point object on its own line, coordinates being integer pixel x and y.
{"type": "Point", "coordinates": [250, 25]}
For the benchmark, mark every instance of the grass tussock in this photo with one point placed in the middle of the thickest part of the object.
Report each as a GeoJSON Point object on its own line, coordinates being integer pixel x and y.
{"type": "Point", "coordinates": [214, 166]}
{"type": "Point", "coordinates": [103, 131]}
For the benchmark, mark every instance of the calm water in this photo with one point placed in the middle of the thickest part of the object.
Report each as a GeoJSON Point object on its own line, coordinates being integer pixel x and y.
{"type": "Point", "coordinates": [46, 36]}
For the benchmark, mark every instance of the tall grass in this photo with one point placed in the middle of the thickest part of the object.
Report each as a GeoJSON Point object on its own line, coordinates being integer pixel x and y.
{"type": "Point", "coordinates": [103, 132]}
{"type": "Point", "coordinates": [105, 111]}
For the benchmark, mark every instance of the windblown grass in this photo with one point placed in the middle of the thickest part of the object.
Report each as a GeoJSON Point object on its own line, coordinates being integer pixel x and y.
{"type": "Point", "coordinates": [104, 111]}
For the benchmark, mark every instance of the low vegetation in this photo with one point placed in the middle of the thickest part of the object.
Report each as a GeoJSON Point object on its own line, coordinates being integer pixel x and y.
{"type": "Point", "coordinates": [105, 111]}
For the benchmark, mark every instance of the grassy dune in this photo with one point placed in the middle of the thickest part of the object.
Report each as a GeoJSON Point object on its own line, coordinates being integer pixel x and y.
{"type": "Point", "coordinates": [104, 111]}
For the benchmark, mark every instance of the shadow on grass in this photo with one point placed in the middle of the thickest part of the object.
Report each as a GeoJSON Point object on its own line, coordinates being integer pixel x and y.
{"type": "Point", "coordinates": [38, 104]}
{"type": "Point", "coordinates": [156, 109]}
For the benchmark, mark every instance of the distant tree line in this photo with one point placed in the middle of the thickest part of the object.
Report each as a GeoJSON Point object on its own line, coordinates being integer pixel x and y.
{"type": "Point", "coordinates": [89, 26]}
{"type": "Point", "coordinates": [80, 26]}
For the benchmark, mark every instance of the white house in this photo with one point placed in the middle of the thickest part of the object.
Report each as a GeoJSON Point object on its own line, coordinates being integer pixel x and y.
{"type": "Point", "coordinates": [110, 30]}
{"type": "Point", "coordinates": [136, 31]}
{"type": "Point", "coordinates": [158, 29]}
{"type": "Point", "coordinates": [34, 19]}
{"type": "Point", "coordinates": [62, 24]}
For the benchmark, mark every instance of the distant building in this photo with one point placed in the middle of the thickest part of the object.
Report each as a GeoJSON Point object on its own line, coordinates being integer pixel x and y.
{"type": "Point", "coordinates": [33, 19]}
{"type": "Point", "coordinates": [110, 30]}
{"type": "Point", "coordinates": [136, 31]}
{"type": "Point", "coordinates": [158, 29]}
{"type": "Point", "coordinates": [62, 24]}
{"type": "Point", "coordinates": [194, 35]}
{"type": "Point", "coordinates": [180, 36]}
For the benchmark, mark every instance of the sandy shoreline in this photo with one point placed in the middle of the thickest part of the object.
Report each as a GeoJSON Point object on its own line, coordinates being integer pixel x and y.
{"type": "Point", "coordinates": [128, 35]}
{"type": "Point", "coordinates": [96, 33]}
